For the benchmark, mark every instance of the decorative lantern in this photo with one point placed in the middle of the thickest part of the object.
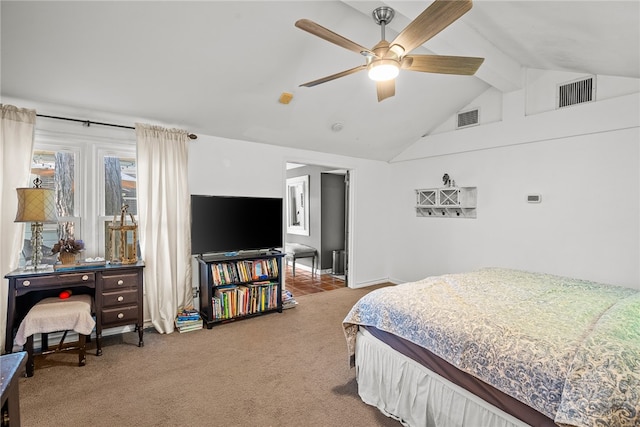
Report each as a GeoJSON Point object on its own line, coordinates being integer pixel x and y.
{"type": "Point", "coordinates": [123, 239]}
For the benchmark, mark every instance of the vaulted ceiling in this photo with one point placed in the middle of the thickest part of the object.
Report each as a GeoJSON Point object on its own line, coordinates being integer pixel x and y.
{"type": "Point", "coordinates": [219, 67]}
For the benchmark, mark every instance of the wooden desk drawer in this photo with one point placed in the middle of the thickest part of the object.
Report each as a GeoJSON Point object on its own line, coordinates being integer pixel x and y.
{"type": "Point", "coordinates": [119, 281]}
{"type": "Point", "coordinates": [56, 281]}
{"type": "Point", "coordinates": [120, 315]}
{"type": "Point", "coordinates": [121, 297]}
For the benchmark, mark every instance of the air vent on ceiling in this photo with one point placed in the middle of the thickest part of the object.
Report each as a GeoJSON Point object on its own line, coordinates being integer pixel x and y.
{"type": "Point", "coordinates": [576, 92]}
{"type": "Point", "coordinates": [468, 118]}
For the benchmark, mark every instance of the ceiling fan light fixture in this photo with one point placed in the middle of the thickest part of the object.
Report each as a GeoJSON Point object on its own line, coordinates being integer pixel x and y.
{"type": "Point", "coordinates": [384, 60]}
{"type": "Point", "coordinates": [383, 70]}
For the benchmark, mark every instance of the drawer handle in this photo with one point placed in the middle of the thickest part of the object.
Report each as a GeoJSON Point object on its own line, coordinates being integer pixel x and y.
{"type": "Point", "coordinates": [120, 282]}
{"type": "Point", "coordinates": [85, 277]}
{"type": "Point", "coordinates": [120, 315]}
{"type": "Point", "coordinates": [26, 283]}
{"type": "Point", "coordinates": [120, 298]}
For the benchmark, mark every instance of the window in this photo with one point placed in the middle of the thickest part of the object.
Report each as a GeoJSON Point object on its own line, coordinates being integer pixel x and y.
{"type": "Point", "coordinates": [92, 179]}
{"type": "Point", "coordinates": [119, 184]}
{"type": "Point", "coordinates": [119, 189]}
{"type": "Point", "coordinates": [56, 169]}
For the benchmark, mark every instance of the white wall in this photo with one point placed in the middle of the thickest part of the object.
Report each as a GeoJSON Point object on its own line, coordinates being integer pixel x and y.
{"type": "Point", "coordinates": [542, 87]}
{"type": "Point", "coordinates": [583, 160]}
{"type": "Point", "coordinates": [231, 167]}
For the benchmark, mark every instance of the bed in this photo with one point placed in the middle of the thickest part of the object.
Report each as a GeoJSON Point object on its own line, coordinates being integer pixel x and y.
{"type": "Point", "coordinates": [499, 347]}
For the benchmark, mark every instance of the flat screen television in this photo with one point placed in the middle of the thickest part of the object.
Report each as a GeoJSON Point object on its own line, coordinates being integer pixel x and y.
{"type": "Point", "coordinates": [231, 224]}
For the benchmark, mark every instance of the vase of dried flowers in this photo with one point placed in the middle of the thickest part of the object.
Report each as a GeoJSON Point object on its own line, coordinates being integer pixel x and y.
{"type": "Point", "coordinates": [67, 249]}
{"type": "Point", "coordinates": [67, 257]}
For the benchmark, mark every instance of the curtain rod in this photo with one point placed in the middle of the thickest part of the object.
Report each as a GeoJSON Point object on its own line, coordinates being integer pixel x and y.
{"type": "Point", "coordinates": [91, 122]}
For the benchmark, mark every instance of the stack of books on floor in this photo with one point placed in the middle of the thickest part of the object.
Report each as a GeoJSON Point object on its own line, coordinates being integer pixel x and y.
{"type": "Point", "coordinates": [188, 320]}
{"type": "Point", "coordinates": [288, 301]}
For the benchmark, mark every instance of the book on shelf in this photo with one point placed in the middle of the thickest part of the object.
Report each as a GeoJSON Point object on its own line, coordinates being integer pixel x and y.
{"type": "Point", "coordinates": [244, 271]}
{"type": "Point", "coordinates": [241, 300]}
{"type": "Point", "coordinates": [224, 273]}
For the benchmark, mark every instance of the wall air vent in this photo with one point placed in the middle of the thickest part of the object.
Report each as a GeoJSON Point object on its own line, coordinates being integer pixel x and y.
{"type": "Point", "coordinates": [468, 118]}
{"type": "Point", "coordinates": [576, 92]}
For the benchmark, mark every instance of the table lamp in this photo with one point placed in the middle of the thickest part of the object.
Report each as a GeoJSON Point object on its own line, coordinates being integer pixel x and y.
{"type": "Point", "coordinates": [37, 206]}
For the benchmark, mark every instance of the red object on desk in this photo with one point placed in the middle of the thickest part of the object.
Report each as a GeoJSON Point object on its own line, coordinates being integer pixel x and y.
{"type": "Point", "coordinates": [65, 294]}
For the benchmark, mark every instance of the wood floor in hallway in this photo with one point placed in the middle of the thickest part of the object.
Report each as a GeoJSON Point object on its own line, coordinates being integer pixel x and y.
{"type": "Point", "coordinates": [303, 283]}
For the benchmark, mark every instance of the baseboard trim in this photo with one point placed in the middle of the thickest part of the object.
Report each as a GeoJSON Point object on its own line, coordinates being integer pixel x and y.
{"type": "Point", "coordinates": [371, 283]}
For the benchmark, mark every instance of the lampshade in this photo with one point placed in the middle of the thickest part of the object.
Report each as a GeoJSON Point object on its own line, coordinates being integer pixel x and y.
{"type": "Point", "coordinates": [36, 205]}
{"type": "Point", "coordinates": [383, 69]}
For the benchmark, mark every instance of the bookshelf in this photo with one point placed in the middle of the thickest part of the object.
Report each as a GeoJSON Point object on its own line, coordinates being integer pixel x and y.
{"type": "Point", "coordinates": [239, 286]}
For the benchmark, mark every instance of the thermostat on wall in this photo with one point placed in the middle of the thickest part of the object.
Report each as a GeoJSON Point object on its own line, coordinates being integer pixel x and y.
{"type": "Point", "coordinates": [534, 198]}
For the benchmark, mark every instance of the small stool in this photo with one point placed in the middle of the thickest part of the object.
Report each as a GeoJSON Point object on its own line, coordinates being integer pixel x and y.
{"type": "Point", "coordinates": [297, 250]}
{"type": "Point", "coordinates": [57, 315]}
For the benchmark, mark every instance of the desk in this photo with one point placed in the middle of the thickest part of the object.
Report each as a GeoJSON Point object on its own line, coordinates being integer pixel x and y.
{"type": "Point", "coordinates": [117, 292]}
{"type": "Point", "coordinates": [11, 369]}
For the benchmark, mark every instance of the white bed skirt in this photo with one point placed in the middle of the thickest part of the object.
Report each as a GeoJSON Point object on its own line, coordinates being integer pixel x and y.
{"type": "Point", "coordinates": [404, 390]}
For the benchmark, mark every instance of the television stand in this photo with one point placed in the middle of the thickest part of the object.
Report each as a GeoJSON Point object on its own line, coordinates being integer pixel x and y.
{"type": "Point", "coordinates": [240, 286]}
{"type": "Point", "coordinates": [252, 253]}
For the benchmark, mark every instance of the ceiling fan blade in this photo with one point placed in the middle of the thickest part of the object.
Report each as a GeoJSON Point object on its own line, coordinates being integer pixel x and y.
{"type": "Point", "coordinates": [330, 36]}
{"type": "Point", "coordinates": [435, 18]}
{"type": "Point", "coordinates": [462, 65]}
{"type": "Point", "coordinates": [386, 89]}
{"type": "Point", "coordinates": [334, 76]}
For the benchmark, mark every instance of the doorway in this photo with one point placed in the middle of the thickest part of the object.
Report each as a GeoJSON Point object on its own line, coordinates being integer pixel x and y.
{"type": "Point", "coordinates": [328, 227]}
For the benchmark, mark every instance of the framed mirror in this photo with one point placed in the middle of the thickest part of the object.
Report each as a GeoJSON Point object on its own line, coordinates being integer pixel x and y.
{"type": "Point", "coordinates": [298, 205]}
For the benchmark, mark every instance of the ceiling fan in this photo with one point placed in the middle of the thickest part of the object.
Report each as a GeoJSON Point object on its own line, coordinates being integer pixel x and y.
{"type": "Point", "coordinates": [385, 59]}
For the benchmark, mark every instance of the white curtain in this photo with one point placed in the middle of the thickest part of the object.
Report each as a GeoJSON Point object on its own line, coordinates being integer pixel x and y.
{"type": "Point", "coordinates": [16, 145]}
{"type": "Point", "coordinates": [164, 217]}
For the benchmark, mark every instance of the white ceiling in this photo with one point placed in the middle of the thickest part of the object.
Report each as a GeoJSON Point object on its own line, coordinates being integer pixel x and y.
{"type": "Point", "coordinates": [219, 67]}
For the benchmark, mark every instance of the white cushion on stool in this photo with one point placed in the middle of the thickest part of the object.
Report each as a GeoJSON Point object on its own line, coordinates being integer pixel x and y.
{"type": "Point", "coordinates": [55, 314]}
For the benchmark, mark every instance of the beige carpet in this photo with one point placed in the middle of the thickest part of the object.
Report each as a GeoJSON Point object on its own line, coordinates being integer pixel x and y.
{"type": "Point", "coordinates": [288, 369]}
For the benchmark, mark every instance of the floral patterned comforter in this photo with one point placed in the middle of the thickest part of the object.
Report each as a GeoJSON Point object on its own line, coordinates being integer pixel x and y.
{"type": "Point", "coordinates": [568, 348]}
